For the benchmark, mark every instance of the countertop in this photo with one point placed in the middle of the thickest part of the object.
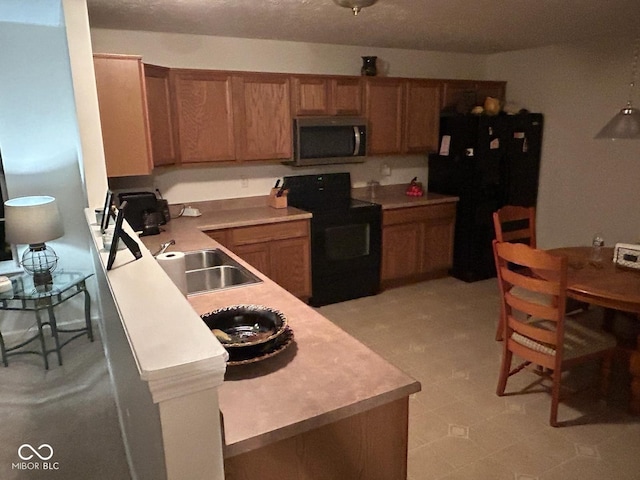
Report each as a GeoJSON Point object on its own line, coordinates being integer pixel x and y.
{"type": "Point", "coordinates": [393, 196]}
{"type": "Point", "coordinates": [325, 375]}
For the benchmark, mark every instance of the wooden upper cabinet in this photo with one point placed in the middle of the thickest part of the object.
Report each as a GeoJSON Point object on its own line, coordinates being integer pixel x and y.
{"type": "Point", "coordinates": [422, 116]}
{"type": "Point", "coordinates": [310, 95]}
{"type": "Point", "coordinates": [384, 110]}
{"type": "Point", "coordinates": [123, 114]}
{"type": "Point", "coordinates": [462, 95]}
{"type": "Point", "coordinates": [205, 117]}
{"type": "Point", "coordinates": [262, 109]}
{"type": "Point", "coordinates": [160, 115]}
{"type": "Point", "coordinates": [326, 95]}
{"type": "Point", "coordinates": [345, 95]}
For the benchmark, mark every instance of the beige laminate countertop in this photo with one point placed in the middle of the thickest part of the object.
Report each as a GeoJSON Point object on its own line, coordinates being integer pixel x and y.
{"type": "Point", "coordinates": [324, 376]}
{"type": "Point", "coordinates": [393, 196]}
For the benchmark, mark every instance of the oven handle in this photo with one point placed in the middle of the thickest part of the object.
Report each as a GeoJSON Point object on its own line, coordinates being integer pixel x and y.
{"type": "Point", "coordinates": [356, 135]}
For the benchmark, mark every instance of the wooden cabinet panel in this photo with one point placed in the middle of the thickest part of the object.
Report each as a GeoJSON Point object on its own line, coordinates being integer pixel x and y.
{"type": "Point", "coordinates": [417, 242]}
{"type": "Point", "coordinates": [325, 95]}
{"type": "Point", "coordinates": [263, 117]}
{"type": "Point", "coordinates": [269, 232]}
{"type": "Point", "coordinates": [204, 116]}
{"type": "Point", "coordinates": [401, 250]}
{"type": "Point", "coordinates": [422, 116]}
{"type": "Point", "coordinates": [462, 95]}
{"type": "Point", "coordinates": [160, 115]}
{"type": "Point", "coordinates": [220, 236]}
{"type": "Point", "coordinates": [282, 251]}
{"type": "Point", "coordinates": [310, 96]}
{"type": "Point", "coordinates": [291, 265]}
{"type": "Point", "coordinates": [123, 114]}
{"type": "Point", "coordinates": [257, 255]}
{"type": "Point", "coordinates": [384, 111]}
{"type": "Point", "coordinates": [345, 95]}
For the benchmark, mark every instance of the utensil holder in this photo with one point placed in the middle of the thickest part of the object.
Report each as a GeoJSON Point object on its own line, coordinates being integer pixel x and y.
{"type": "Point", "coordinates": [276, 202]}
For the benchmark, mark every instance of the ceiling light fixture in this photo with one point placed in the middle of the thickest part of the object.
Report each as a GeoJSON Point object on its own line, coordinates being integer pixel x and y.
{"type": "Point", "coordinates": [355, 5]}
{"type": "Point", "coordinates": [626, 123]}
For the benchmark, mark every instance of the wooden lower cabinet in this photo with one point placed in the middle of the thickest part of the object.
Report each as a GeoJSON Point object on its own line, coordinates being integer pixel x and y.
{"type": "Point", "coordinates": [370, 445]}
{"type": "Point", "coordinates": [417, 243]}
{"type": "Point", "coordinates": [282, 251]}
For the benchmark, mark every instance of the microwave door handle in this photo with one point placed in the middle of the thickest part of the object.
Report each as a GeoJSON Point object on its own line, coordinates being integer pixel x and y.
{"type": "Point", "coordinates": [356, 135]}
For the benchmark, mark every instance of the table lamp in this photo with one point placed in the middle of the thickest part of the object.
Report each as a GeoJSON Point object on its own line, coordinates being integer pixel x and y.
{"type": "Point", "coordinates": [33, 221]}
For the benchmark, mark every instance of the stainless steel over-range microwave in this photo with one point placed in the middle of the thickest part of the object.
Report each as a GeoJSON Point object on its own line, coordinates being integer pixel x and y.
{"type": "Point", "coordinates": [326, 140]}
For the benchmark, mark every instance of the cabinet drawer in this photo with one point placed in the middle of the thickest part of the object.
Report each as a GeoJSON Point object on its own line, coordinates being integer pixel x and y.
{"type": "Point", "coordinates": [418, 214]}
{"type": "Point", "coordinates": [270, 232]}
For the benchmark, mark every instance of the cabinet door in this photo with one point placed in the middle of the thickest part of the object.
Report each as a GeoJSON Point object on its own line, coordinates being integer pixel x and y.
{"type": "Point", "coordinates": [459, 95]}
{"type": "Point", "coordinates": [220, 236]}
{"type": "Point", "coordinates": [345, 96]}
{"type": "Point", "coordinates": [438, 239]}
{"type": "Point", "coordinates": [384, 111]}
{"type": "Point", "coordinates": [422, 116]}
{"type": "Point", "coordinates": [205, 116]}
{"type": "Point", "coordinates": [401, 247]}
{"type": "Point", "coordinates": [123, 114]}
{"type": "Point", "coordinates": [262, 105]}
{"type": "Point", "coordinates": [160, 115]}
{"type": "Point", "coordinates": [257, 255]}
{"type": "Point", "coordinates": [491, 89]}
{"type": "Point", "coordinates": [310, 96]}
{"type": "Point", "coordinates": [290, 265]}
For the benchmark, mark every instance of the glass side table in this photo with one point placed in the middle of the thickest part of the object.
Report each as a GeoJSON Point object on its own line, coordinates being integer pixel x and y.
{"type": "Point", "coordinates": [35, 298]}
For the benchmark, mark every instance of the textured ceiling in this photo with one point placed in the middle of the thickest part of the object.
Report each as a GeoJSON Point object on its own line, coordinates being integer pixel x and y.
{"type": "Point", "coordinates": [473, 26]}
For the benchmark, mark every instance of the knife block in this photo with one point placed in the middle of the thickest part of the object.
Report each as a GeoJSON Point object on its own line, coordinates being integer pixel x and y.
{"type": "Point", "coordinates": [276, 202]}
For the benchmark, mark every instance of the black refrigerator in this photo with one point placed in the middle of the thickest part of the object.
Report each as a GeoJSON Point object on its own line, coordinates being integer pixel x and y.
{"type": "Point", "coordinates": [487, 161]}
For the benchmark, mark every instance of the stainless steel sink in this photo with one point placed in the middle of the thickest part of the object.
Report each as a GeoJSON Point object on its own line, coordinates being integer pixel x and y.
{"type": "Point", "coordinates": [210, 270]}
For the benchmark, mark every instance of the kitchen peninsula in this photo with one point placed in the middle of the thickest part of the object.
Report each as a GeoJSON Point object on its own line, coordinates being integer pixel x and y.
{"type": "Point", "coordinates": [325, 398]}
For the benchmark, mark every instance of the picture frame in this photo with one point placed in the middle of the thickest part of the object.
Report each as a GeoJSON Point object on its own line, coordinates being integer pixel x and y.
{"type": "Point", "coordinates": [120, 234]}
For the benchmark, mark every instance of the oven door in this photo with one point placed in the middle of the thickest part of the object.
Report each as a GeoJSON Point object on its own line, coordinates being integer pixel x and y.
{"type": "Point", "coordinates": [345, 254]}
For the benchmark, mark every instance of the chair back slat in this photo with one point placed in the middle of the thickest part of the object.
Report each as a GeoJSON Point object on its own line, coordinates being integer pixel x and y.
{"type": "Point", "coordinates": [514, 223]}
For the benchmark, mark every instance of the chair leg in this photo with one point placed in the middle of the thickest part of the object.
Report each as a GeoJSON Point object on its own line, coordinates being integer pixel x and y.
{"type": "Point", "coordinates": [505, 366]}
{"type": "Point", "coordinates": [605, 374]}
{"type": "Point", "coordinates": [555, 397]}
{"type": "Point", "coordinates": [499, 331]}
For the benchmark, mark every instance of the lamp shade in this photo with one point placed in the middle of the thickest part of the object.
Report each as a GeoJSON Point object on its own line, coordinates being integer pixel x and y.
{"type": "Point", "coordinates": [626, 124]}
{"type": "Point", "coordinates": [32, 220]}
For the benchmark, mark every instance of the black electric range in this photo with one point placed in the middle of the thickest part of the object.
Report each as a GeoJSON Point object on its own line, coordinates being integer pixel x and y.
{"type": "Point", "coordinates": [346, 237]}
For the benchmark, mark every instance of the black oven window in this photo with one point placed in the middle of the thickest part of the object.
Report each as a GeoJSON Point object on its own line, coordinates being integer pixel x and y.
{"type": "Point", "coordinates": [347, 241]}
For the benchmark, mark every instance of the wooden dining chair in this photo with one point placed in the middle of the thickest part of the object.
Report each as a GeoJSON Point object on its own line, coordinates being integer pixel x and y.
{"type": "Point", "coordinates": [513, 223]}
{"type": "Point", "coordinates": [542, 334]}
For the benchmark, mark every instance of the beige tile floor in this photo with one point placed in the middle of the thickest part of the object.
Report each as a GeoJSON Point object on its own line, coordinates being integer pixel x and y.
{"type": "Point", "coordinates": [441, 332]}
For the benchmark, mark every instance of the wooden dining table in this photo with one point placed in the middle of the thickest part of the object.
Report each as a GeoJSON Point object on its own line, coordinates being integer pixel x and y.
{"type": "Point", "coordinates": [602, 282]}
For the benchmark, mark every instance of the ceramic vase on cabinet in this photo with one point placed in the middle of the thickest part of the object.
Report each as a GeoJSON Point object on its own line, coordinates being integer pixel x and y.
{"type": "Point", "coordinates": [369, 66]}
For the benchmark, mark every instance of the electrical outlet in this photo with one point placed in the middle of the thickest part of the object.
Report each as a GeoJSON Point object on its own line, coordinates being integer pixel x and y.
{"type": "Point", "coordinates": [244, 182]}
{"type": "Point", "coordinates": [385, 170]}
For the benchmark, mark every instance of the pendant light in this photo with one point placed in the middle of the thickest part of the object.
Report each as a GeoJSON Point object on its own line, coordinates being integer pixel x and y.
{"type": "Point", "coordinates": [626, 123]}
{"type": "Point", "coordinates": [355, 5]}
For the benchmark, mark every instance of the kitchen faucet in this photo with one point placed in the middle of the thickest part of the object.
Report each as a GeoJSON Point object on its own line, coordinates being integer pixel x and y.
{"type": "Point", "coordinates": [164, 246]}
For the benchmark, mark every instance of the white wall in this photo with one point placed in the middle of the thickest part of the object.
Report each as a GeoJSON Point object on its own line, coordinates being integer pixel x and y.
{"type": "Point", "coordinates": [586, 185]}
{"type": "Point", "coordinates": [193, 51]}
{"type": "Point", "coordinates": [39, 139]}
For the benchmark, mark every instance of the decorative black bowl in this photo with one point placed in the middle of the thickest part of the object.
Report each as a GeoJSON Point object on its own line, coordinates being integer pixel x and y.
{"type": "Point", "coordinates": [245, 326]}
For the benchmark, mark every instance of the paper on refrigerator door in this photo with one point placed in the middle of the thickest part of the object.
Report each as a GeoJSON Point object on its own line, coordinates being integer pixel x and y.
{"type": "Point", "coordinates": [444, 145]}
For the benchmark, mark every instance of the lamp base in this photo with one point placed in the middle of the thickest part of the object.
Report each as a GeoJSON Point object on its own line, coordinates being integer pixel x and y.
{"type": "Point", "coordinates": [40, 260]}
{"type": "Point", "coordinates": [42, 278]}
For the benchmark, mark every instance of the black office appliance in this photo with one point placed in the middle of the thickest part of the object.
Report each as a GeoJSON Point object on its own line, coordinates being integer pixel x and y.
{"type": "Point", "coordinates": [488, 162]}
{"type": "Point", "coordinates": [144, 212]}
{"type": "Point", "coordinates": [346, 237]}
